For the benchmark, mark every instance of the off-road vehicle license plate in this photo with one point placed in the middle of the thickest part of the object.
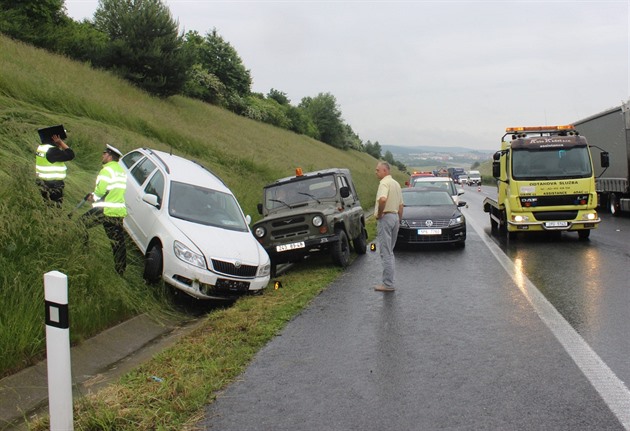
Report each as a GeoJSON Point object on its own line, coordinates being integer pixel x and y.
{"type": "Point", "coordinates": [292, 246]}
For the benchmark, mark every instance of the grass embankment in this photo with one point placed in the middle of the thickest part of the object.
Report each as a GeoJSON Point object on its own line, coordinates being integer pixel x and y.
{"type": "Point", "coordinates": [37, 90]}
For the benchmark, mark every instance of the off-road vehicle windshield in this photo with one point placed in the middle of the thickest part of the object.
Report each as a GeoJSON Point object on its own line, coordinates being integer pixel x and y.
{"type": "Point", "coordinates": [297, 193]}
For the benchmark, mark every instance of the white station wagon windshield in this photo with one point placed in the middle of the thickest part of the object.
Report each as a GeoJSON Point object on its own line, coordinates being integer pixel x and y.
{"type": "Point", "coordinates": [205, 206]}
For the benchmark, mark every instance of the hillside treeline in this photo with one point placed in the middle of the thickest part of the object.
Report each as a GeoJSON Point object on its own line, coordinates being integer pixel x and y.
{"type": "Point", "coordinates": [140, 41]}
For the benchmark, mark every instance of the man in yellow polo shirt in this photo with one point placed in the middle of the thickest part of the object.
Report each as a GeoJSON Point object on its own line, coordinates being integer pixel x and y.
{"type": "Point", "coordinates": [388, 211]}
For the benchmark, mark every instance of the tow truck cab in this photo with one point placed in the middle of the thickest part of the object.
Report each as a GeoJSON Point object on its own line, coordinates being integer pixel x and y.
{"type": "Point", "coordinates": [545, 182]}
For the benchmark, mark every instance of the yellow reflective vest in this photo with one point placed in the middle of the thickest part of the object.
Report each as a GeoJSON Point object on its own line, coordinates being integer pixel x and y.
{"type": "Point", "coordinates": [45, 170]}
{"type": "Point", "coordinates": [109, 193]}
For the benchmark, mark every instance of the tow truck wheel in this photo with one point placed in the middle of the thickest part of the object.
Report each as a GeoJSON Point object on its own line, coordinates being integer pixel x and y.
{"type": "Point", "coordinates": [584, 234]}
{"type": "Point", "coordinates": [613, 204]}
{"type": "Point", "coordinates": [341, 249]}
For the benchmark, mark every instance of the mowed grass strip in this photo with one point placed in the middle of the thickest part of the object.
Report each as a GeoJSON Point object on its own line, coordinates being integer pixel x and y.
{"type": "Point", "coordinates": [170, 391]}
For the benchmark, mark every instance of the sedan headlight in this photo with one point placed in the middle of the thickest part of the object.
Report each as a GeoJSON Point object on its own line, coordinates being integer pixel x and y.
{"type": "Point", "coordinates": [264, 270]}
{"type": "Point", "coordinates": [456, 221]}
{"type": "Point", "coordinates": [259, 232]}
{"type": "Point", "coordinates": [187, 255]}
{"type": "Point", "coordinates": [318, 221]}
{"type": "Point", "coordinates": [404, 223]}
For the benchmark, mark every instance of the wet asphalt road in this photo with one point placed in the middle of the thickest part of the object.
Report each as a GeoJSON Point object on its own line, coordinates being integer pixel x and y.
{"type": "Point", "coordinates": [467, 342]}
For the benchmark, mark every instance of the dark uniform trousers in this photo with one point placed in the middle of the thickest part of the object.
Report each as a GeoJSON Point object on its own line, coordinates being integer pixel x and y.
{"type": "Point", "coordinates": [114, 231]}
{"type": "Point", "coordinates": [52, 191]}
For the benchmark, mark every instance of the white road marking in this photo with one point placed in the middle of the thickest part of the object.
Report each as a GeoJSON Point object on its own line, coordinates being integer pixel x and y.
{"type": "Point", "coordinates": [612, 390]}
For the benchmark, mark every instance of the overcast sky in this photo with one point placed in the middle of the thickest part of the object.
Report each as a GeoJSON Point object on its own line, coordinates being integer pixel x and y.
{"type": "Point", "coordinates": [446, 73]}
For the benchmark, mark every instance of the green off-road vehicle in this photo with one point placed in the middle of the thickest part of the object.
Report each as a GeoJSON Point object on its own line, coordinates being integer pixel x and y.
{"type": "Point", "coordinates": [311, 212]}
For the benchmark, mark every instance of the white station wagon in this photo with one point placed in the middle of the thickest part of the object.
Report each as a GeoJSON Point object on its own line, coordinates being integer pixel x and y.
{"type": "Point", "coordinates": [190, 228]}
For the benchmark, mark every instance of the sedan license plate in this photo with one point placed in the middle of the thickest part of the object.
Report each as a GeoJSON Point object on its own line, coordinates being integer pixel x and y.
{"type": "Point", "coordinates": [429, 231]}
{"type": "Point", "coordinates": [233, 285]}
{"type": "Point", "coordinates": [292, 246]}
{"type": "Point", "coordinates": [557, 224]}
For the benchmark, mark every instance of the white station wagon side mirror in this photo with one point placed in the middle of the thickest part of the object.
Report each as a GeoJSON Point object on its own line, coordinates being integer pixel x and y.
{"type": "Point", "coordinates": [151, 200]}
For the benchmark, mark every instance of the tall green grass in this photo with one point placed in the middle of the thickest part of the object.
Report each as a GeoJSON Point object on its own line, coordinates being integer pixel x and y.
{"type": "Point", "coordinates": [38, 89]}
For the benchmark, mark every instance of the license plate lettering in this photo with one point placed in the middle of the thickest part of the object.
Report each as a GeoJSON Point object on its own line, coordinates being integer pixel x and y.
{"type": "Point", "coordinates": [288, 247]}
{"type": "Point", "coordinates": [557, 224]}
{"type": "Point", "coordinates": [232, 285]}
{"type": "Point", "coordinates": [429, 231]}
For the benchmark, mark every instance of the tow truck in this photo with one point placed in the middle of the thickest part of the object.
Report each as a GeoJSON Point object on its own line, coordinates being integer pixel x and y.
{"type": "Point", "coordinates": [545, 182]}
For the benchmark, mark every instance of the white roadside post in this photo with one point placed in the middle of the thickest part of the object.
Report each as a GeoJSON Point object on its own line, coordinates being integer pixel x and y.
{"type": "Point", "coordinates": [58, 351]}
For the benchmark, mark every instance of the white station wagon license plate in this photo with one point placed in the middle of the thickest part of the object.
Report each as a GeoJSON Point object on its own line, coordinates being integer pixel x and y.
{"type": "Point", "coordinates": [429, 231]}
{"type": "Point", "coordinates": [557, 224]}
{"type": "Point", "coordinates": [292, 246]}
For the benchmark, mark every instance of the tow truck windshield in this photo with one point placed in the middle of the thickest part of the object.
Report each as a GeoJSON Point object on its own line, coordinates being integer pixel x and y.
{"type": "Point", "coordinates": [571, 162]}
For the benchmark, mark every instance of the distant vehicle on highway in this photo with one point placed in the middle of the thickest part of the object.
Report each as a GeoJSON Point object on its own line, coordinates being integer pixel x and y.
{"type": "Point", "coordinates": [445, 183]}
{"type": "Point", "coordinates": [418, 174]}
{"type": "Point", "coordinates": [431, 217]}
{"type": "Point", "coordinates": [474, 178]}
{"type": "Point", "coordinates": [190, 228]}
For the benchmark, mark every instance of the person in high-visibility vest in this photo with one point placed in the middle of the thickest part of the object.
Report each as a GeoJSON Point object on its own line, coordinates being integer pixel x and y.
{"type": "Point", "coordinates": [50, 168]}
{"type": "Point", "coordinates": [109, 208]}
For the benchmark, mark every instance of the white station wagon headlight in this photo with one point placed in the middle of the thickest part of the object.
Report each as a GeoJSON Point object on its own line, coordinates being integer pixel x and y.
{"type": "Point", "coordinates": [187, 255]}
{"type": "Point", "coordinates": [264, 270]}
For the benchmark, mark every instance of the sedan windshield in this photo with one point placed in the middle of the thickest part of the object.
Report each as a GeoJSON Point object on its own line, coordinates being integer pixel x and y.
{"type": "Point", "coordinates": [205, 206]}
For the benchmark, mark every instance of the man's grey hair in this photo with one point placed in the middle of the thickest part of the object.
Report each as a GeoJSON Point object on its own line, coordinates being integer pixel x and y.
{"type": "Point", "coordinates": [386, 164]}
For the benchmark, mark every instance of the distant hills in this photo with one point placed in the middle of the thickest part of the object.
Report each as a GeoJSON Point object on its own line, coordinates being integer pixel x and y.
{"type": "Point", "coordinates": [400, 150]}
{"type": "Point", "coordinates": [432, 157]}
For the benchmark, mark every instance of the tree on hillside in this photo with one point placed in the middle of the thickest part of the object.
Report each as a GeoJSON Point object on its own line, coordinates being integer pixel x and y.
{"type": "Point", "coordinates": [324, 112]}
{"type": "Point", "coordinates": [351, 139]}
{"type": "Point", "coordinates": [82, 41]}
{"type": "Point", "coordinates": [145, 46]}
{"type": "Point", "coordinates": [389, 157]}
{"type": "Point", "coordinates": [278, 96]}
{"type": "Point", "coordinates": [218, 58]}
{"type": "Point", "coordinates": [301, 122]}
{"type": "Point", "coordinates": [373, 149]}
{"type": "Point", "coordinates": [401, 166]}
{"type": "Point", "coordinates": [33, 21]}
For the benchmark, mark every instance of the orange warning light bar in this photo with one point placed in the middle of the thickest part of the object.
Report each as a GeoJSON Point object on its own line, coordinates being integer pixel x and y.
{"type": "Point", "coordinates": [538, 128]}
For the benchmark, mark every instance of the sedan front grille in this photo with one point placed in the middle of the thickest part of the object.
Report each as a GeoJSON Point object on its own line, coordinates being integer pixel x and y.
{"type": "Point", "coordinates": [422, 224]}
{"type": "Point", "coordinates": [229, 268]}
